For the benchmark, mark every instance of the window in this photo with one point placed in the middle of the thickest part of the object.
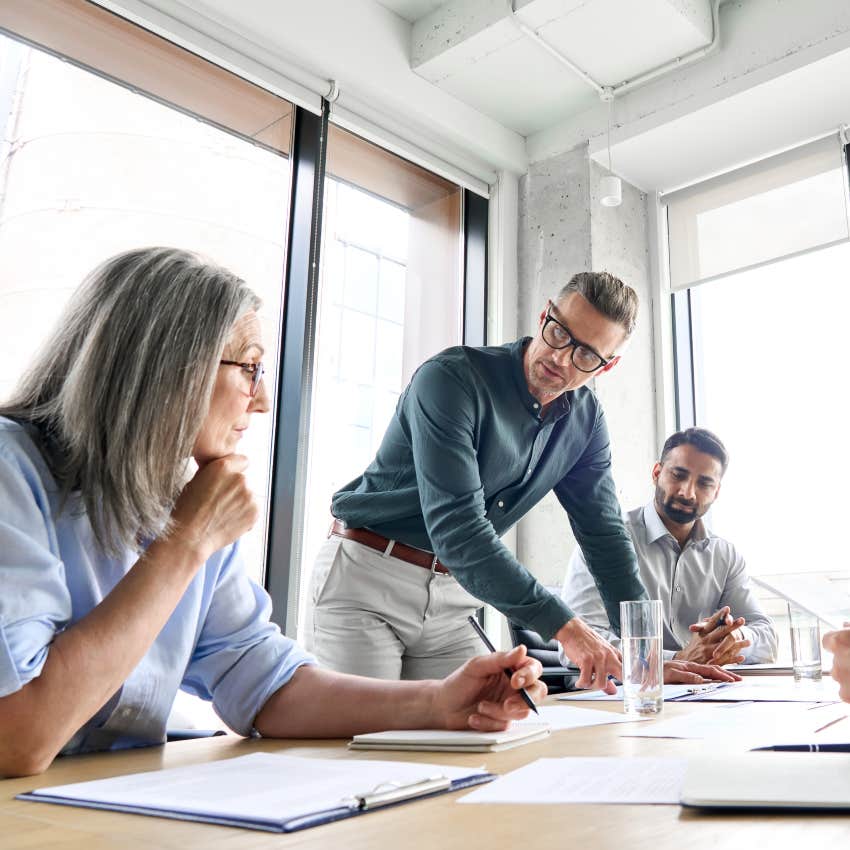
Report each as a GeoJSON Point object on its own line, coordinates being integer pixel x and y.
{"type": "Point", "coordinates": [766, 344]}
{"type": "Point", "coordinates": [91, 168]}
{"type": "Point", "coordinates": [390, 296]}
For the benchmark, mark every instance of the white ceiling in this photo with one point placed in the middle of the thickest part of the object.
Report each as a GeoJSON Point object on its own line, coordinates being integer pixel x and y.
{"type": "Point", "coordinates": [776, 78]}
{"type": "Point", "coordinates": [411, 10]}
{"type": "Point", "coordinates": [459, 79]}
{"type": "Point", "coordinates": [476, 51]}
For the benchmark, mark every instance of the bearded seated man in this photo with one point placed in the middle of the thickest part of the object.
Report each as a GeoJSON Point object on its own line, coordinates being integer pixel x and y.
{"type": "Point", "coordinates": [711, 615]}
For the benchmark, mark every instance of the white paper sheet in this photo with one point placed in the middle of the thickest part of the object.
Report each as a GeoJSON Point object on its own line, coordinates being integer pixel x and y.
{"type": "Point", "coordinates": [561, 717]}
{"type": "Point", "coordinates": [587, 780]}
{"type": "Point", "coordinates": [754, 724]}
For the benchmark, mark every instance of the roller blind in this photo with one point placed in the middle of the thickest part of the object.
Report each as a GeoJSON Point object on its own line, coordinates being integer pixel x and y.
{"type": "Point", "coordinates": [784, 205]}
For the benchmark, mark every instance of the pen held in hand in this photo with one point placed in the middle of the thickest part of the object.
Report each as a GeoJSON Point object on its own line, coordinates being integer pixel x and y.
{"type": "Point", "coordinates": [522, 691]}
{"type": "Point", "coordinates": [721, 622]}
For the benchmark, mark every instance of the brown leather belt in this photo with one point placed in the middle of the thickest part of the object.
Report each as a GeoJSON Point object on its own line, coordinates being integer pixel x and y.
{"type": "Point", "coordinates": [390, 547]}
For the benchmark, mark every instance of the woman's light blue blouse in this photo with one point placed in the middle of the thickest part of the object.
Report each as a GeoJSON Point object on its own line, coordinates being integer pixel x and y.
{"type": "Point", "coordinates": [218, 643]}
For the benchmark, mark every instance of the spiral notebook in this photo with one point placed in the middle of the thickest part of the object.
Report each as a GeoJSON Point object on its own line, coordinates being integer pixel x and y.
{"type": "Point", "coordinates": [276, 793]}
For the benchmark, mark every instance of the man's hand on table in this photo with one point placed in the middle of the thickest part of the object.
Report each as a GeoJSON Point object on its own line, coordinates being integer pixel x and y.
{"type": "Point", "coordinates": [691, 673]}
{"type": "Point", "coordinates": [595, 657]}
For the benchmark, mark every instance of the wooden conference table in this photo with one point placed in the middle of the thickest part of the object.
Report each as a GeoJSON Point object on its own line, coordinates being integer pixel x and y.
{"type": "Point", "coordinates": [435, 823]}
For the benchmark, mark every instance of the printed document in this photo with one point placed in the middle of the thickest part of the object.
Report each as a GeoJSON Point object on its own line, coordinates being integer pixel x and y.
{"type": "Point", "coordinates": [587, 780]}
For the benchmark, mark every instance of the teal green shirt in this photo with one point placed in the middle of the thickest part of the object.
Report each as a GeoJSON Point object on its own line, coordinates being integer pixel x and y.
{"type": "Point", "coordinates": [467, 454]}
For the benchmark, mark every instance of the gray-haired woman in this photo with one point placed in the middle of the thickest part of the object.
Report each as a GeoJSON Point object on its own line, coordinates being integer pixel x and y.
{"type": "Point", "coordinates": [120, 581]}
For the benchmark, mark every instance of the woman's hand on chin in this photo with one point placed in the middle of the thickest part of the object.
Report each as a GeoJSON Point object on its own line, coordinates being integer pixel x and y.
{"type": "Point", "coordinates": [216, 507]}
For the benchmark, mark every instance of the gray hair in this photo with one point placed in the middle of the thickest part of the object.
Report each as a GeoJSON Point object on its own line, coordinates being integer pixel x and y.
{"type": "Point", "coordinates": [608, 294]}
{"type": "Point", "coordinates": [122, 387]}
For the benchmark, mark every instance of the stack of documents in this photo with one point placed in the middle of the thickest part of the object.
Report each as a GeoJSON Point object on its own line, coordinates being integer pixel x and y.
{"type": "Point", "coordinates": [671, 692]}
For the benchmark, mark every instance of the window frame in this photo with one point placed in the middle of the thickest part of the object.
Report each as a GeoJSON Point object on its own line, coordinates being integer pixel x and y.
{"type": "Point", "coordinates": [298, 335]}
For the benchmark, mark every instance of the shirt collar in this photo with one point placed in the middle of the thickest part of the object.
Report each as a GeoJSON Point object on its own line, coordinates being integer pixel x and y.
{"type": "Point", "coordinates": [655, 528]}
{"type": "Point", "coordinates": [559, 406]}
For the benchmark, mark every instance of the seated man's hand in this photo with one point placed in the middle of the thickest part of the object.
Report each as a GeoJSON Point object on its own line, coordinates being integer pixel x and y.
{"type": "Point", "coordinates": [480, 696]}
{"type": "Point", "coordinates": [715, 640]}
{"type": "Point", "coordinates": [691, 673]}
{"type": "Point", "coordinates": [595, 657]}
{"type": "Point", "coordinates": [838, 643]}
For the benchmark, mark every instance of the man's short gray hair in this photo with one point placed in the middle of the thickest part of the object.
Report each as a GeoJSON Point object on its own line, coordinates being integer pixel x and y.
{"type": "Point", "coordinates": [122, 386]}
{"type": "Point", "coordinates": [608, 294]}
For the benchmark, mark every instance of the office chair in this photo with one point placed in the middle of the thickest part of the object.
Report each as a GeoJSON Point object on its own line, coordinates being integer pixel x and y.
{"type": "Point", "coordinates": [557, 677]}
{"type": "Point", "coordinates": [191, 734]}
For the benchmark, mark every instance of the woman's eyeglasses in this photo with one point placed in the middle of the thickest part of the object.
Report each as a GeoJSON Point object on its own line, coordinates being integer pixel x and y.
{"type": "Point", "coordinates": [255, 370]}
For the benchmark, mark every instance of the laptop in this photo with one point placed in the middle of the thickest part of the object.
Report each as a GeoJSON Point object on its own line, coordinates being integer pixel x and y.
{"type": "Point", "coordinates": [769, 780]}
{"type": "Point", "coordinates": [815, 595]}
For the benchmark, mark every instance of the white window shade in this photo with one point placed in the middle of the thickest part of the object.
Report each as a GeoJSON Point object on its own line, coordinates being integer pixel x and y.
{"type": "Point", "coordinates": [781, 206]}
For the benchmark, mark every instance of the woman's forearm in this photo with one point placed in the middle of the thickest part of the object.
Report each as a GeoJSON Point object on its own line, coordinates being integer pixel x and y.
{"type": "Point", "coordinates": [319, 703]}
{"type": "Point", "coordinates": [88, 662]}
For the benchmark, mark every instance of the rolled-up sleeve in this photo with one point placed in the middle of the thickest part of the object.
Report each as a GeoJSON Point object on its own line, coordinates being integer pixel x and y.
{"type": "Point", "coordinates": [34, 599]}
{"type": "Point", "coordinates": [241, 658]}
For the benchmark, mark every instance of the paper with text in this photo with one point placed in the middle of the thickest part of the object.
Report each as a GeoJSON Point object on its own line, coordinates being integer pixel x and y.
{"type": "Point", "coordinates": [587, 780]}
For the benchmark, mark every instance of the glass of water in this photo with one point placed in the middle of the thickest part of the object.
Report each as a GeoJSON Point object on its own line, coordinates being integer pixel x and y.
{"type": "Point", "coordinates": [643, 661]}
{"type": "Point", "coordinates": [805, 644]}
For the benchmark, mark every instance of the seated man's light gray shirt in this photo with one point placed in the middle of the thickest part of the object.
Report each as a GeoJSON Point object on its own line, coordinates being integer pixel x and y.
{"type": "Point", "coordinates": [692, 583]}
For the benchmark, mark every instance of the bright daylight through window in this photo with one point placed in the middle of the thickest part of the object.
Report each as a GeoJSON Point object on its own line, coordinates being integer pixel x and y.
{"type": "Point", "coordinates": [65, 183]}
{"type": "Point", "coordinates": [765, 253]}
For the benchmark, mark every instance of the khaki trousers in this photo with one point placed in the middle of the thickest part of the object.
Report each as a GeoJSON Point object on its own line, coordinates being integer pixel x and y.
{"type": "Point", "coordinates": [376, 615]}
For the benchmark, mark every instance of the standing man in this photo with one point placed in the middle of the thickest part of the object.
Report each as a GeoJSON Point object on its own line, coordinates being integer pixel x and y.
{"type": "Point", "coordinates": [478, 438]}
{"type": "Point", "coordinates": [711, 614]}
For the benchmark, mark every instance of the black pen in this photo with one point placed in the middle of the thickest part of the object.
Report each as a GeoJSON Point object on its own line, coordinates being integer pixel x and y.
{"type": "Point", "coordinates": [721, 622]}
{"type": "Point", "coordinates": [508, 672]}
{"type": "Point", "coordinates": [808, 748]}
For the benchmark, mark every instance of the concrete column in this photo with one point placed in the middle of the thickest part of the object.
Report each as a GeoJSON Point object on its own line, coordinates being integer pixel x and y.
{"type": "Point", "coordinates": [563, 230]}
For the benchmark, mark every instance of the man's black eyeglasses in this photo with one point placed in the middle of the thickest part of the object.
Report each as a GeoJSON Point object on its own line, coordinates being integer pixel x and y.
{"type": "Point", "coordinates": [557, 335]}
